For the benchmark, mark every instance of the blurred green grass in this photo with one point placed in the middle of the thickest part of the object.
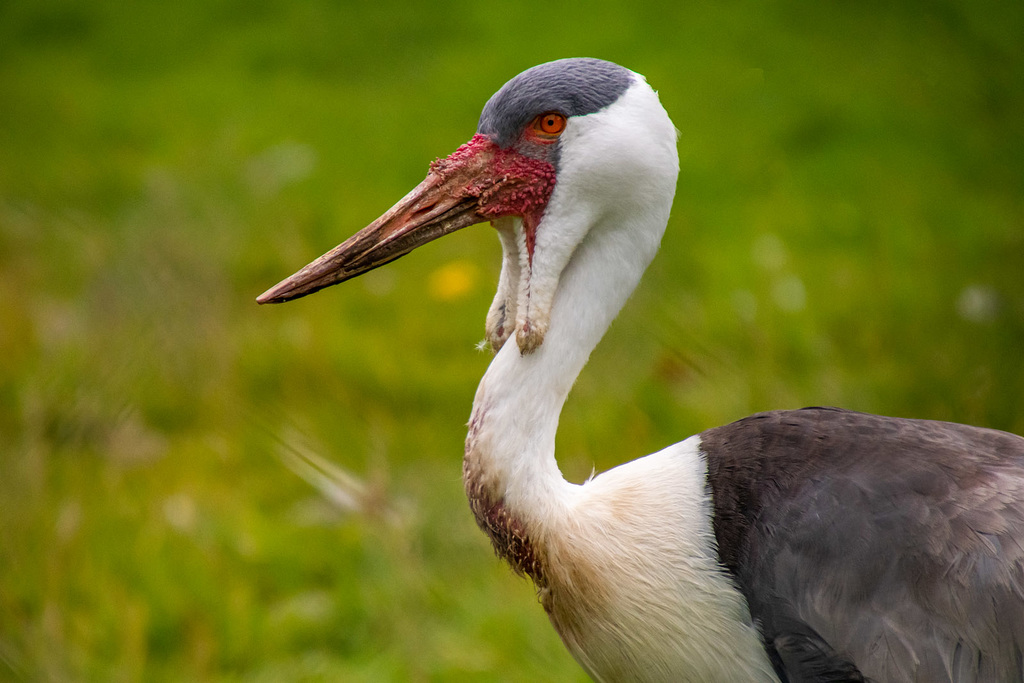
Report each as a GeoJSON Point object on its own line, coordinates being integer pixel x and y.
{"type": "Point", "coordinates": [848, 230]}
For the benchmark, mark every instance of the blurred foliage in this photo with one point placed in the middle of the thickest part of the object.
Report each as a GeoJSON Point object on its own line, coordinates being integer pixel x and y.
{"type": "Point", "coordinates": [848, 230]}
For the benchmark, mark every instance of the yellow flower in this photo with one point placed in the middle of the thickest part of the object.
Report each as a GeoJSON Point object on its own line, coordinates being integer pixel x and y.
{"type": "Point", "coordinates": [453, 280]}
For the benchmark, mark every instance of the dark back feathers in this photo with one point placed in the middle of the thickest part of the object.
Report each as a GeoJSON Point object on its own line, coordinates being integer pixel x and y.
{"type": "Point", "coordinates": [884, 546]}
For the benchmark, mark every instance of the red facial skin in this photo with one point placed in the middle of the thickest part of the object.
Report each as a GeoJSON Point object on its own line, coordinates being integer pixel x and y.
{"type": "Point", "coordinates": [509, 184]}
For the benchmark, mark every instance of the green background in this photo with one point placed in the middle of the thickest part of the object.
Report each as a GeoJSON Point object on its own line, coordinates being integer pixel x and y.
{"type": "Point", "coordinates": [848, 230]}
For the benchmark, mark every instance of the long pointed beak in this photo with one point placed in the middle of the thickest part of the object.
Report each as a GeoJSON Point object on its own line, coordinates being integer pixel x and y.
{"type": "Point", "coordinates": [435, 207]}
{"type": "Point", "coordinates": [478, 182]}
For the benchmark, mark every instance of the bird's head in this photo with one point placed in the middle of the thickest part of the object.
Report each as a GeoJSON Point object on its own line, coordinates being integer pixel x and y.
{"type": "Point", "coordinates": [562, 149]}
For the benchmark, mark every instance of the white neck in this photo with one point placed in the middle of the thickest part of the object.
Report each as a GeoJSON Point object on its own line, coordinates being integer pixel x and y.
{"type": "Point", "coordinates": [601, 228]}
{"type": "Point", "coordinates": [632, 551]}
{"type": "Point", "coordinates": [610, 556]}
{"type": "Point", "coordinates": [534, 515]}
{"type": "Point", "coordinates": [519, 400]}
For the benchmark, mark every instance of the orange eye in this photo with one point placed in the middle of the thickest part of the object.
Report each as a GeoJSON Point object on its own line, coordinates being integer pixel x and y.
{"type": "Point", "coordinates": [551, 123]}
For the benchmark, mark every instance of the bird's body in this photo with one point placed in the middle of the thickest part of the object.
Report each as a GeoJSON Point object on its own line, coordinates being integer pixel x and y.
{"type": "Point", "coordinates": [896, 544]}
{"type": "Point", "coordinates": [814, 545]}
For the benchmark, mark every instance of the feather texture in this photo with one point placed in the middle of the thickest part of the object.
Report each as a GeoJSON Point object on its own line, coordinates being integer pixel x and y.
{"type": "Point", "coordinates": [897, 544]}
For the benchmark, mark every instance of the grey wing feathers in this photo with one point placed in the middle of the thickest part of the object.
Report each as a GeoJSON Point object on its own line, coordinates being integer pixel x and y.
{"type": "Point", "coordinates": [895, 547]}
